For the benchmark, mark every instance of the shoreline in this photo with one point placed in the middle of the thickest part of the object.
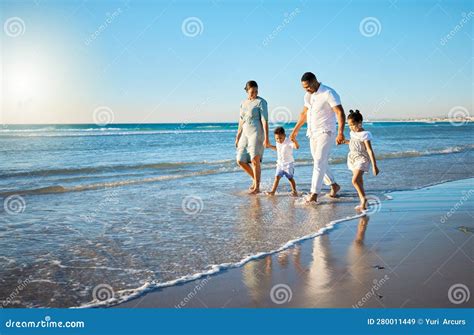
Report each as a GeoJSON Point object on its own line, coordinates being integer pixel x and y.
{"type": "Point", "coordinates": [421, 120]}
{"type": "Point", "coordinates": [229, 277]}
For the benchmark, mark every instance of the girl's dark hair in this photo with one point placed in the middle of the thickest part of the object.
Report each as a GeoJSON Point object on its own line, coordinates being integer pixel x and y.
{"type": "Point", "coordinates": [279, 131]}
{"type": "Point", "coordinates": [250, 84]}
{"type": "Point", "coordinates": [355, 116]}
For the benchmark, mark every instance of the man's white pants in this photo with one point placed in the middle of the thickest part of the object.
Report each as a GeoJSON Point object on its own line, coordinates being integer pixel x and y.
{"type": "Point", "coordinates": [321, 145]}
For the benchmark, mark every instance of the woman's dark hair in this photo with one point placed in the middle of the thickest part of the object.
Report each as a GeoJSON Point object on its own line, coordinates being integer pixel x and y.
{"type": "Point", "coordinates": [355, 116]}
{"type": "Point", "coordinates": [279, 131]}
{"type": "Point", "coordinates": [308, 76]}
{"type": "Point", "coordinates": [250, 84]}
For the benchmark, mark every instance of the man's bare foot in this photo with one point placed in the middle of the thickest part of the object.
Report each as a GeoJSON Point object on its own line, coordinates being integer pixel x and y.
{"type": "Point", "coordinates": [294, 194]}
{"type": "Point", "coordinates": [252, 187]}
{"type": "Point", "coordinates": [334, 189]}
{"type": "Point", "coordinates": [270, 193]}
{"type": "Point", "coordinates": [312, 198]}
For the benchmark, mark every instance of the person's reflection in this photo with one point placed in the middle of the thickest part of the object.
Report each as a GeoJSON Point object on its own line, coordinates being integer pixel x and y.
{"type": "Point", "coordinates": [361, 228]}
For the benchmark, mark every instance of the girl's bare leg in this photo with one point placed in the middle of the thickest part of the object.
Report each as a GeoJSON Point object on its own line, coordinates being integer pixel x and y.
{"type": "Point", "coordinates": [247, 168]}
{"type": "Point", "coordinates": [358, 182]}
{"type": "Point", "coordinates": [293, 187]}
{"type": "Point", "coordinates": [256, 174]}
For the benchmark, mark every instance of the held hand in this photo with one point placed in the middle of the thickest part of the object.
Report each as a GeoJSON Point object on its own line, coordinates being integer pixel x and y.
{"type": "Point", "coordinates": [340, 139]}
{"type": "Point", "coordinates": [297, 145]}
{"type": "Point", "coordinates": [266, 143]}
{"type": "Point", "coordinates": [375, 170]}
{"type": "Point", "coordinates": [293, 137]}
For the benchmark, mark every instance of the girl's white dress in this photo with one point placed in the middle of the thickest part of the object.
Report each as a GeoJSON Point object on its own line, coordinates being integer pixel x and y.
{"type": "Point", "coordinates": [358, 158]}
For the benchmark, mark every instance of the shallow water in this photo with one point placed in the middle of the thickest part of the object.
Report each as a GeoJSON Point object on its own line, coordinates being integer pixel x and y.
{"type": "Point", "coordinates": [131, 206]}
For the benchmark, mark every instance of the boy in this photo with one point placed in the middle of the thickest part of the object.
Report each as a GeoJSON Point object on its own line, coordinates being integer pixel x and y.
{"type": "Point", "coordinates": [285, 163]}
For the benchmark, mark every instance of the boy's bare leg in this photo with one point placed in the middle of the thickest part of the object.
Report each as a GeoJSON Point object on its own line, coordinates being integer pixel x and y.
{"type": "Point", "coordinates": [256, 175]}
{"type": "Point", "coordinates": [247, 168]}
{"type": "Point", "coordinates": [358, 182]}
{"type": "Point", "coordinates": [293, 187]}
{"type": "Point", "coordinates": [275, 186]}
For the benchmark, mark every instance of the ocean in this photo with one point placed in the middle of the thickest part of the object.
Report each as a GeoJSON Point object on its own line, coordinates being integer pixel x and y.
{"type": "Point", "coordinates": [127, 208]}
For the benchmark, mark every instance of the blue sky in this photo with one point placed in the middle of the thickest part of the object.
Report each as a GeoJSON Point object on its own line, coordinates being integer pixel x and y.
{"type": "Point", "coordinates": [138, 59]}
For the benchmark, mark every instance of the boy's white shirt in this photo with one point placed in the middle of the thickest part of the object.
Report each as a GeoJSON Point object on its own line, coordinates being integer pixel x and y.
{"type": "Point", "coordinates": [285, 153]}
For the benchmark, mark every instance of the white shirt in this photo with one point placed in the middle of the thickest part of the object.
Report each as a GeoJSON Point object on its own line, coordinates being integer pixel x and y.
{"type": "Point", "coordinates": [320, 117]}
{"type": "Point", "coordinates": [285, 153]}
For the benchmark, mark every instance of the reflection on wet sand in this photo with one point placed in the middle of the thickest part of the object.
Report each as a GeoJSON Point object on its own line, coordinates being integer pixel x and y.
{"type": "Point", "coordinates": [316, 277]}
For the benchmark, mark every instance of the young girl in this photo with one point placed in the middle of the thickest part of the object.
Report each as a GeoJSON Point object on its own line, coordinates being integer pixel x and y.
{"type": "Point", "coordinates": [360, 155]}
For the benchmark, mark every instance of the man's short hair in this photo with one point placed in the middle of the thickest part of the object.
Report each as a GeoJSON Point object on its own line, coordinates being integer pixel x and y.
{"type": "Point", "coordinates": [308, 76]}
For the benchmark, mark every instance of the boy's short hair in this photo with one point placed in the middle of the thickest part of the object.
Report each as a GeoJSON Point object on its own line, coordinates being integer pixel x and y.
{"type": "Point", "coordinates": [279, 131]}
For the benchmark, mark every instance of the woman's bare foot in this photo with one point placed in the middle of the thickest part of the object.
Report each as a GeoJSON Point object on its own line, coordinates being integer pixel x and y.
{"type": "Point", "coordinates": [334, 189]}
{"type": "Point", "coordinates": [255, 191]}
{"type": "Point", "coordinates": [270, 193]}
{"type": "Point", "coordinates": [252, 187]}
{"type": "Point", "coordinates": [294, 194]}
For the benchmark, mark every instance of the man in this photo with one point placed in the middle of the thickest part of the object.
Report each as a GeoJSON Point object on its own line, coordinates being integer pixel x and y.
{"type": "Point", "coordinates": [321, 107]}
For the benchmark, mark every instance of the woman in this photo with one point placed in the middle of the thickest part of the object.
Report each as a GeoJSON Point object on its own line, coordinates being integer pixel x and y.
{"type": "Point", "coordinates": [252, 136]}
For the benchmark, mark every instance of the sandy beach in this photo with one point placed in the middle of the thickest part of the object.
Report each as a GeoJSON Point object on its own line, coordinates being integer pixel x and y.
{"type": "Point", "coordinates": [415, 250]}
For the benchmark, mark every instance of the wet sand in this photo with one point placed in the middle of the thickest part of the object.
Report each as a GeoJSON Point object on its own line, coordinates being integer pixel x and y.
{"type": "Point", "coordinates": [416, 250]}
